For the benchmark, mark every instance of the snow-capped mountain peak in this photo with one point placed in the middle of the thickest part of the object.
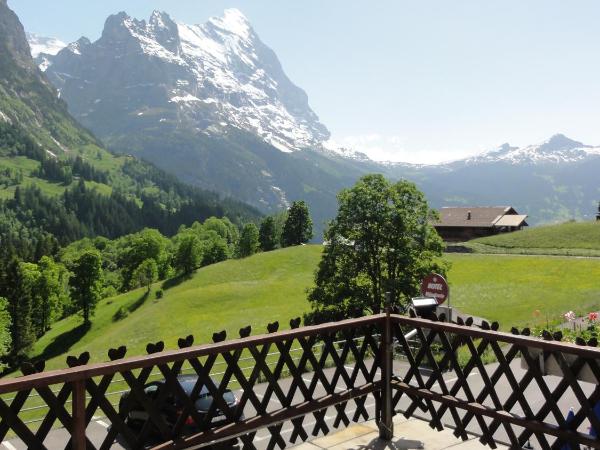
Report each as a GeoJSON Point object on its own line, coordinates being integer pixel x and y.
{"type": "Point", "coordinates": [205, 77]}
{"type": "Point", "coordinates": [78, 46]}
{"type": "Point", "coordinates": [47, 45]}
{"type": "Point", "coordinates": [234, 22]}
{"type": "Point", "coordinates": [557, 149]}
{"type": "Point", "coordinates": [559, 142]}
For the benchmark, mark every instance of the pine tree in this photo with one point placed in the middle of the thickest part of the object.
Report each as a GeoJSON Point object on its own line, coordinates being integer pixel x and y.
{"type": "Point", "coordinates": [267, 234]}
{"type": "Point", "coordinates": [249, 244]}
{"type": "Point", "coordinates": [16, 291]}
{"type": "Point", "coordinates": [298, 226]}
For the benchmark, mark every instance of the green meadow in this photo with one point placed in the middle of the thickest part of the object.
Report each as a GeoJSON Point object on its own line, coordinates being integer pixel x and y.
{"type": "Point", "coordinates": [569, 239]}
{"type": "Point", "coordinates": [272, 286]}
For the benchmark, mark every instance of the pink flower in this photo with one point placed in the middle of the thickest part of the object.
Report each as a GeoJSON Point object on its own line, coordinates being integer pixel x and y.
{"type": "Point", "coordinates": [570, 316]}
{"type": "Point", "coordinates": [593, 316]}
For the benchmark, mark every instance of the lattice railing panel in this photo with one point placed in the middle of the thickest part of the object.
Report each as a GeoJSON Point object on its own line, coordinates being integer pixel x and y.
{"type": "Point", "coordinates": [293, 385]}
{"type": "Point", "coordinates": [498, 385]}
{"type": "Point", "coordinates": [306, 380]}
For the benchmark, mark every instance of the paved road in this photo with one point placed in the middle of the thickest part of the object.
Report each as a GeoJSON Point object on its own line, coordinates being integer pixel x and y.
{"type": "Point", "coordinates": [97, 430]}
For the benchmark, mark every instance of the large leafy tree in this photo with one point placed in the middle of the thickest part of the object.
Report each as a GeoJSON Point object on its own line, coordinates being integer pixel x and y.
{"type": "Point", "coordinates": [147, 244]}
{"type": "Point", "coordinates": [86, 283]}
{"type": "Point", "coordinates": [381, 241]}
{"type": "Point", "coordinates": [298, 225]}
{"type": "Point", "coordinates": [188, 254]}
{"type": "Point", "coordinates": [224, 228]}
{"type": "Point", "coordinates": [214, 248]}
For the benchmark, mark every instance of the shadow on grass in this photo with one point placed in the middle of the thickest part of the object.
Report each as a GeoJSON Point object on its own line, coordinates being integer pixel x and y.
{"type": "Point", "coordinates": [122, 312]}
{"type": "Point", "coordinates": [172, 282]}
{"type": "Point", "coordinates": [139, 302]}
{"type": "Point", "coordinates": [63, 342]}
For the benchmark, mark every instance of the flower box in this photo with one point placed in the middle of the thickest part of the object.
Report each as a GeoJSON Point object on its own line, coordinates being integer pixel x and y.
{"type": "Point", "coordinates": [550, 366]}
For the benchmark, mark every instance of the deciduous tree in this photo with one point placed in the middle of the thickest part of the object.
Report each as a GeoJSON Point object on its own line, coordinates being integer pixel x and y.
{"type": "Point", "coordinates": [52, 292]}
{"type": "Point", "coordinates": [86, 283]}
{"type": "Point", "coordinates": [188, 254]}
{"type": "Point", "coordinates": [145, 274]}
{"type": "Point", "coordinates": [381, 241]}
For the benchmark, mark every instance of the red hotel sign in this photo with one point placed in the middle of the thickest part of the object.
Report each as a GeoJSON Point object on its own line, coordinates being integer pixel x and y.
{"type": "Point", "coordinates": [435, 286]}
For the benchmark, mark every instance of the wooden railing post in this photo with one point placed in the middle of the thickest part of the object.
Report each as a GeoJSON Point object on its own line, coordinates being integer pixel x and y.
{"type": "Point", "coordinates": [78, 412]}
{"type": "Point", "coordinates": [386, 424]}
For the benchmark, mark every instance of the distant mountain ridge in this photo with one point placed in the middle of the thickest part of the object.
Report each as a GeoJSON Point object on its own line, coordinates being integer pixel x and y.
{"type": "Point", "coordinates": [556, 150]}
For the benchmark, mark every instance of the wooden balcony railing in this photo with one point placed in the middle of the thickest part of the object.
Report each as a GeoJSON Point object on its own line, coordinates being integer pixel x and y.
{"type": "Point", "coordinates": [471, 379]}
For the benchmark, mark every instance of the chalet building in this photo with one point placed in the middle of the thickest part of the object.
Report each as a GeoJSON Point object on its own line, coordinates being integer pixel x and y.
{"type": "Point", "coordinates": [458, 224]}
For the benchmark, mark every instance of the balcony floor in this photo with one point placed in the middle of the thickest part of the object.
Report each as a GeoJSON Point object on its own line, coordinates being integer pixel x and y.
{"type": "Point", "coordinates": [409, 434]}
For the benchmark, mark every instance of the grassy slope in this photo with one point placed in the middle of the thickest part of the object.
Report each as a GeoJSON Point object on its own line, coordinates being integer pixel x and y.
{"type": "Point", "coordinates": [510, 288]}
{"type": "Point", "coordinates": [572, 238]}
{"type": "Point", "coordinates": [271, 286]}
{"type": "Point", "coordinates": [230, 295]}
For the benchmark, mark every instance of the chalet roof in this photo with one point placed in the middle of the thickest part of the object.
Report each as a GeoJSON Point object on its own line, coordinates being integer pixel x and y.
{"type": "Point", "coordinates": [479, 216]}
{"type": "Point", "coordinates": [511, 220]}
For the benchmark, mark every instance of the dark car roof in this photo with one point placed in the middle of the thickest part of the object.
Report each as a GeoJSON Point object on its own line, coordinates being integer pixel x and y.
{"type": "Point", "coordinates": [188, 382]}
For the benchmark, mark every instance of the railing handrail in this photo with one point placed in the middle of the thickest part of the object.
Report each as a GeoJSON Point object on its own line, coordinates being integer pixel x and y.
{"type": "Point", "coordinates": [139, 362]}
{"type": "Point", "coordinates": [509, 338]}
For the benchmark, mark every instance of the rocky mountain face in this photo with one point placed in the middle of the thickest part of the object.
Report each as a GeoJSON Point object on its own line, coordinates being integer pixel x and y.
{"type": "Point", "coordinates": [209, 103]}
{"type": "Point", "coordinates": [59, 184]}
{"type": "Point", "coordinates": [27, 99]}
{"type": "Point", "coordinates": [205, 78]}
{"type": "Point", "coordinates": [212, 104]}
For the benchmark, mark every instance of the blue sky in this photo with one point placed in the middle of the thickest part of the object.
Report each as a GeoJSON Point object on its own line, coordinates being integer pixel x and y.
{"type": "Point", "coordinates": [411, 81]}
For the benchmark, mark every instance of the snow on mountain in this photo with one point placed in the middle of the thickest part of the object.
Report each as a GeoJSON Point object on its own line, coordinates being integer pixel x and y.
{"type": "Point", "coordinates": [558, 149]}
{"type": "Point", "coordinates": [332, 147]}
{"type": "Point", "coordinates": [41, 44]}
{"type": "Point", "coordinates": [219, 71]}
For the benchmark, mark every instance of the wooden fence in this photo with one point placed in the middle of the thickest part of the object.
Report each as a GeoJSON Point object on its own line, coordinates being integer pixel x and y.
{"type": "Point", "coordinates": [471, 379]}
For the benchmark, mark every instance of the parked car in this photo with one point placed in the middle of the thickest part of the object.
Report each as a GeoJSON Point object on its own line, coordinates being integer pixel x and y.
{"type": "Point", "coordinates": [172, 408]}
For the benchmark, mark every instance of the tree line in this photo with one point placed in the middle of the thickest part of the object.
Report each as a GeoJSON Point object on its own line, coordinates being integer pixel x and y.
{"type": "Point", "coordinates": [34, 295]}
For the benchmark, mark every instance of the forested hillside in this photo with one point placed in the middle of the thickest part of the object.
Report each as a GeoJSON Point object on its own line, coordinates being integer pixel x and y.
{"type": "Point", "coordinates": [59, 185]}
